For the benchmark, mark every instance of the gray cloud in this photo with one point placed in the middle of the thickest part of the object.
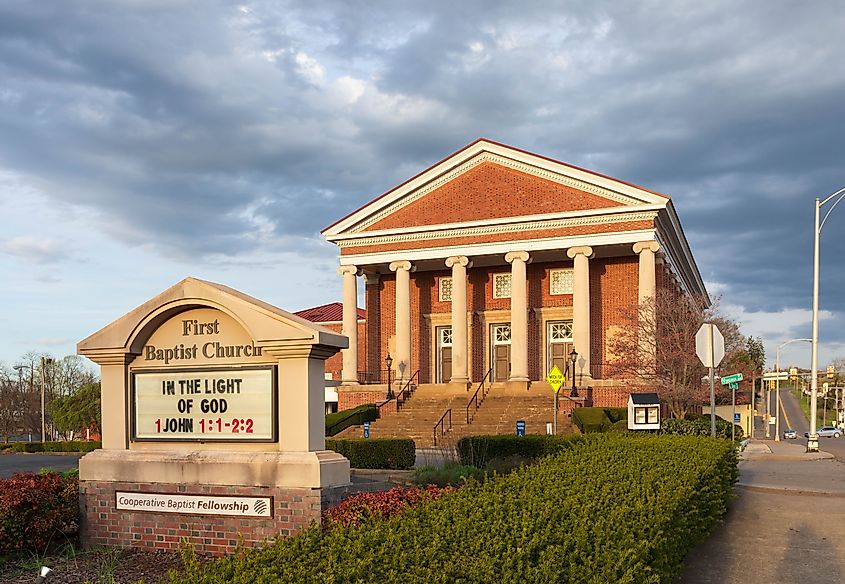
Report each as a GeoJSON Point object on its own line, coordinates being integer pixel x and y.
{"type": "Point", "coordinates": [37, 251]}
{"type": "Point", "coordinates": [214, 129]}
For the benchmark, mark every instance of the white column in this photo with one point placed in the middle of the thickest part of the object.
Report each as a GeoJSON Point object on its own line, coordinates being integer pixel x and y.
{"type": "Point", "coordinates": [349, 374]}
{"type": "Point", "coordinates": [646, 291]}
{"type": "Point", "coordinates": [647, 281]}
{"type": "Point", "coordinates": [460, 352]}
{"type": "Point", "coordinates": [402, 360]}
{"type": "Point", "coordinates": [581, 307]}
{"type": "Point", "coordinates": [519, 315]}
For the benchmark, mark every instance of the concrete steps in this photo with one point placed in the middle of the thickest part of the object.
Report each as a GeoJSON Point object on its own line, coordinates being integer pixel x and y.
{"type": "Point", "coordinates": [497, 414]}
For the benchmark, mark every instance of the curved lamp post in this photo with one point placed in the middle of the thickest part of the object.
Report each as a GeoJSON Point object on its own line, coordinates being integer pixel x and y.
{"type": "Point", "coordinates": [777, 384]}
{"type": "Point", "coordinates": [813, 440]}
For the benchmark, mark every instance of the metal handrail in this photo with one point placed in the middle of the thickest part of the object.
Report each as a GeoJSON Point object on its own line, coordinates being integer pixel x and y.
{"type": "Point", "coordinates": [404, 393]}
{"type": "Point", "coordinates": [484, 393]}
{"type": "Point", "coordinates": [441, 423]}
{"type": "Point", "coordinates": [407, 389]}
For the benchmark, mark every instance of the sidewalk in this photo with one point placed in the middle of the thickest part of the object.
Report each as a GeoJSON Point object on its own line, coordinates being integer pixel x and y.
{"type": "Point", "coordinates": [787, 523]}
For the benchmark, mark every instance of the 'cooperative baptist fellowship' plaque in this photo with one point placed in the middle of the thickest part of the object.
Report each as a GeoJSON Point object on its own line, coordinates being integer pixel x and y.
{"type": "Point", "coordinates": [205, 405]}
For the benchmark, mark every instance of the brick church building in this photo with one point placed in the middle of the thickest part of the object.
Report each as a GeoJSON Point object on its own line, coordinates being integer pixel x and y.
{"type": "Point", "coordinates": [497, 264]}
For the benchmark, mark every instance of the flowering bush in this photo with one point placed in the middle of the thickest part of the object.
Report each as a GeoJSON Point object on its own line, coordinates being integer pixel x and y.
{"type": "Point", "coordinates": [364, 506]}
{"type": "Point", "coordinates": [35, 507]}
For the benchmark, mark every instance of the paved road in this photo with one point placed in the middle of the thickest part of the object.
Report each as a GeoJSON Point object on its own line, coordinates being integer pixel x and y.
{"type": "Point", "coordinates": [791, 416]}
{"type": "Point", "coordinates": [787, 523]}
{"type": "Point", "coordinates": [15, 463]}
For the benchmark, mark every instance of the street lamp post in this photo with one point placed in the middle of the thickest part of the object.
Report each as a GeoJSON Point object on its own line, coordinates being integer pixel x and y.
{"type": "Point", "coordinates": [813, 440]}
{"type": "Point", "coordinates": [573, 357]}
{"type": "Point", "coordinates": [389, 362]}
{"type": "Point", "coordinates": [777, 383]}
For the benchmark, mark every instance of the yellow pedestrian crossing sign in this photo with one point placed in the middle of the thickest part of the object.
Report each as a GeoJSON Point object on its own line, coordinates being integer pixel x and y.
{"type": "Point", "coordinates": [555, 378]}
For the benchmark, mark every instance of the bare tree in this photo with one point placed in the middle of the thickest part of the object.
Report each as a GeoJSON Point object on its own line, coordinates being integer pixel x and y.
{"type": "Point", "coordinates": [656, 348]}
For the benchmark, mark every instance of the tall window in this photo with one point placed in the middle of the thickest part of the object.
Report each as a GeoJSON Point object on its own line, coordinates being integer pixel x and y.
{"type": "Point", "coordinates": [501, 286]}
{"type": "Point", "coordinates": [560, 282]}
{"type": "Point", "coordinates": [444, 289]}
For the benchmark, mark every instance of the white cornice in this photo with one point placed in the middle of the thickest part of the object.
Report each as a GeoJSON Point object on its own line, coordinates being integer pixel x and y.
{"type": "Point", "coordinates": [482, 151]}
{"type": "Point", "coordinates": [677, 250]}
{"type": "Point", "coordinates": [461, 230]}
{"type": "Point", "coordinates": [493, 248]}
{"type": "Point", "coordinates": [618, 213]}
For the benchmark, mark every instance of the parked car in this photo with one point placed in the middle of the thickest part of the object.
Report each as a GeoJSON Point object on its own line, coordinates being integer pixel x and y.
{"type": "Point", "coordinates": [827, 432]}
{"type": "Point", "coordinates": [789, 433]}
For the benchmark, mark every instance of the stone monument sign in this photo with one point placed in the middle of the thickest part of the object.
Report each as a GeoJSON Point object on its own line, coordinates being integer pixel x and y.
{"type": "Point", "coordinates": [213, 423]}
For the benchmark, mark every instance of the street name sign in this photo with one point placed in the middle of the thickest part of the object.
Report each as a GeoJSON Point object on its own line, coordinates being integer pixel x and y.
{"type": "Point", "coordinates": [709, 345]}
{"type": "Point", "coordinates": [728, 379]}
{"type": "Point", "coordinates": [556, 378]}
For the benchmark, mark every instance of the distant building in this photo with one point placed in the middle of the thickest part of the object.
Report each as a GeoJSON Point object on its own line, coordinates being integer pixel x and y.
{"type": "Point", "coordinates": [498, 262]}
{"type": "Point", "coordinates": [331, 317]}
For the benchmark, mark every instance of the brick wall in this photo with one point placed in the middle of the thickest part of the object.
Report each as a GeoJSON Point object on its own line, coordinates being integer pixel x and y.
{"type": "Point", "coordinates": [102, 524]}
{"type": "Point", "coordinates": [491, 190]}
{"type": "Point", "coordinates": [348, 397]}
{"type": "Point", "coordinates": [613, 289]}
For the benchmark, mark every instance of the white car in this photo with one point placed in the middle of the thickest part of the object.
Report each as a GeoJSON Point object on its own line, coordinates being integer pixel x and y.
{"type": "Point", "coordinates": [827, 432]}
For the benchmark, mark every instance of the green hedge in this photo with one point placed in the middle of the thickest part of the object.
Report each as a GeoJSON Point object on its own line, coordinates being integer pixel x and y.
{"type": "Point", "coordinates": [598, 419]}
{"type": "Point", "coordinates": [479, 451]}
{"type": "Point", "coordinates": [340, 421]}
{"type": "Point", "coordinates": [616, 414]}
{"type": "Point", "coordinates": [388, 453]}
{"type": "Point", "coordinates": [611, 508]}
{"type": "Point", "coordinates": [68, 446]}
{"type": "Point", "coordinates": [700, 426]}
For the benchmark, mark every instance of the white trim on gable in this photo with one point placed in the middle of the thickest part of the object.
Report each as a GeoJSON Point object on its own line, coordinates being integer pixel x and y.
{"type": "Point", "coordinates": [624, 194]}
{"type": "Point", "coordinates": [590, 216]}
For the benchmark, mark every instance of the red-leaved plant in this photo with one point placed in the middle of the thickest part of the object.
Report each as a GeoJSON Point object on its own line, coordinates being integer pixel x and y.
{"type": "Point", "coordinates": [35, 507]}
{"type": "Point", "coordinates": [365, 506]}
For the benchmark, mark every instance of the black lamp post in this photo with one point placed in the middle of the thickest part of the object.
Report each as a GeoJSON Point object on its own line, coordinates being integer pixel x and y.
{"type": "Point", "coordinates": [389, 362]}
{"type": "Point", "coordinates": [573, 357]}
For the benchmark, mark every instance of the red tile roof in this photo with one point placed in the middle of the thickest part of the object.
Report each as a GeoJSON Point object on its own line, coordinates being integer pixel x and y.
{"type": "Point", "coordinates": [327, 313]}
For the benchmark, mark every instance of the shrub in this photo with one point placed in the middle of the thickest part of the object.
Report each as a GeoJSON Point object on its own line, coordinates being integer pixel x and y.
{"type": "Point", "coordinates": [453, 475]}
{"type": "Point", "coordinates": [62, 446]}
{"type": "Point", "coordinates": [480, 450]}
{"type": "Point", "coordinates": [35, 507]}
{"type": "Point", "coordinates": [388, 453]}
{"type": "Point", "coordinates": [364, 507]}
{"type": "Point", "coordinates": [620, 426]}
{"type": "Point", "coordinates": [616, 414]}
{"type": "Point", "coordinates": [607, 508]}
{"type": "Point", "coordinates": [699, 426]}
{"type": "Point", "coordinates": [339, 421]}
{"type": "Point", "coordinates": [590, 419]}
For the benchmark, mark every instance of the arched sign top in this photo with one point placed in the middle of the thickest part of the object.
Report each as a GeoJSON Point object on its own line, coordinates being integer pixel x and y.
{"type": "Point", "coordinates": [264, 324]}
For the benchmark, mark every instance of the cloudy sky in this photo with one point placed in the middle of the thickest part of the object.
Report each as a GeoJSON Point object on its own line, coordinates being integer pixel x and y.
{"type": "Point", "coordinates": [142, 141]}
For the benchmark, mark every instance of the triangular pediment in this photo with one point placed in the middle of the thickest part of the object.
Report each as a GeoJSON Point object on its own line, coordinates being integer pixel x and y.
{"type": "Point", "coordinates": [487, 182]}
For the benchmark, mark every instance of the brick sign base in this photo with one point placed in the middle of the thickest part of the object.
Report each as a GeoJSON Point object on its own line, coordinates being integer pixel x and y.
{"type": "Point", "coordinates": [102, 524]}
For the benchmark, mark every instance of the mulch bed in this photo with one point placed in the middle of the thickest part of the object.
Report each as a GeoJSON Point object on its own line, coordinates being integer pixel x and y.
{"type": "Point", "coordinates": [71, 565]}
